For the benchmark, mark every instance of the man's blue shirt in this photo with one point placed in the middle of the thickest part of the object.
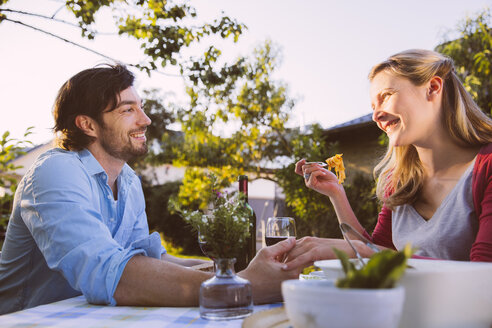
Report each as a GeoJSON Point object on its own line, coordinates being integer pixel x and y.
{"type": "Point", "coordinates": [67, 235]}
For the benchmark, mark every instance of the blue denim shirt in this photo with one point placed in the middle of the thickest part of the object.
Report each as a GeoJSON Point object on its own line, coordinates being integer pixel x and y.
{"type": "Point", "coordinates": [67, 235]}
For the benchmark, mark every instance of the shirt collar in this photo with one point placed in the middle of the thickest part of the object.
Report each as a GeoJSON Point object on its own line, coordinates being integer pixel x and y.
{"type": "Point", "coordinates": [93, 166]}
{"type": "Point", "coordinates": [90, 162]}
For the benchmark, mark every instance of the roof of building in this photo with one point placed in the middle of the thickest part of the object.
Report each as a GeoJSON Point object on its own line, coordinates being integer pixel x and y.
{"type": "Point", "coordinates": [365, 120]}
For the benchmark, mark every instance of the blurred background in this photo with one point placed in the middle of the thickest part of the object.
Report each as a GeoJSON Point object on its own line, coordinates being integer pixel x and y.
{"type": "Point", "coordinates": [232, 87]}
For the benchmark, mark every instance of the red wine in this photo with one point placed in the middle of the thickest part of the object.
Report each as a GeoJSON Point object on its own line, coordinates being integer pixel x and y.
{"type": "Point", "coordinates": [272, 240]}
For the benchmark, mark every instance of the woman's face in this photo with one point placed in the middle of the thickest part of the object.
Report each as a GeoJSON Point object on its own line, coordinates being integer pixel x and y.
{"type": "Point", "coordinates": [405, 112]}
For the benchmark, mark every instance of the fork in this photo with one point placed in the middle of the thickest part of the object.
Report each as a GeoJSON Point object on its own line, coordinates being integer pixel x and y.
{"type": "Point", "coordinates": [307, 175]}
{"type": "Point", "coordinates": [345, 228]}
{"type": "Point", "coordinates": [359, 257]}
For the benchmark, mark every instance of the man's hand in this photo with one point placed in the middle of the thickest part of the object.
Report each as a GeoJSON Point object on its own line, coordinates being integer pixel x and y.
{"type": "Point", "coordinates": [266, 272]}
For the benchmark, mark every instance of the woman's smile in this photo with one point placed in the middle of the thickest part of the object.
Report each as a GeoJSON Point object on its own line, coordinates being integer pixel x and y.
{"type": "Point", "coordinates": [391, 125]}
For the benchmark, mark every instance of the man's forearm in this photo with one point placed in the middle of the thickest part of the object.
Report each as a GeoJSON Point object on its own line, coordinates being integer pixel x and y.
{"type": "Point", "coordinates": [150, 282]}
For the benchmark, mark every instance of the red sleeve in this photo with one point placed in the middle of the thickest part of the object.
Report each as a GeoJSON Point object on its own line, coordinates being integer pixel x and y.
{"type": "Point", "coordinates": [482, 197]}
{"type": "Point", "coordinates": [382, 234]}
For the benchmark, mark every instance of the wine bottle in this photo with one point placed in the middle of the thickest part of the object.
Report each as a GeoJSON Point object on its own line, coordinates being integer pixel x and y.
{"type": "Point", "coordinates": [249, 249]}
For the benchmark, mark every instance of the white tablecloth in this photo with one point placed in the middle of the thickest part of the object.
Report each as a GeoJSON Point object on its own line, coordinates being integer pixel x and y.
{"type": "Point", "coordinates": [76, 312]}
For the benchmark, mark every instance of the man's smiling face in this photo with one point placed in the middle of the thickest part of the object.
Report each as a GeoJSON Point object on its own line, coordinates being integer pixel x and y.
{"type": "Point", "coordinates": [122, 132]}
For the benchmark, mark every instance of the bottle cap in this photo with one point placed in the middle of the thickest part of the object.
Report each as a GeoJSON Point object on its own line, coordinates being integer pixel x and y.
{"type": "Point", "coordinates": [242, 177]}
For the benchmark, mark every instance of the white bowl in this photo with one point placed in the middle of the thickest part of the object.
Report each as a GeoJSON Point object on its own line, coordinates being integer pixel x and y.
{"type": "Point", "coordinates": [318, 303]}
{"type": "Point", "coordinates": [441, 294]}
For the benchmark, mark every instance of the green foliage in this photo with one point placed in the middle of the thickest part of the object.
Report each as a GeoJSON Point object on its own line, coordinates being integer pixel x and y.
{"type": "Point", "coordinates": [174, 229]}
{"type": "Point", "coordinates": [230, 128]}
{"type": "Point", "coordinates": [164, 28]}
{"type": "Point", "coordinates": [256, 109]}
{"type": "Point", "coordinates": [237, 116]}
{"type": "Point", "coordinates": [361, 193]}
{"type": "Point", "coordinates": [195, 191]}
{"type": "Point", "coordinates": [162, 115]}
{"type": "Point", "coordinates": [239, 124]}
{"type": "Point", "coordinates": [224, 226]}
{"type": "Point", "coordinates": [383, 270]}
{"type": "Point", "coordinates": [472, 54]}
{"type": "Point", "coordinates": [236, 120]}
{"type": "Point", "coordinates": [313, 211]}
{"type": "Point", "coordinates": [10, 149]}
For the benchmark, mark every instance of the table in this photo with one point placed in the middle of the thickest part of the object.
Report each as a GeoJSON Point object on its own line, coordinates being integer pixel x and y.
{"type": "Point", "coordinates": [76, 312]}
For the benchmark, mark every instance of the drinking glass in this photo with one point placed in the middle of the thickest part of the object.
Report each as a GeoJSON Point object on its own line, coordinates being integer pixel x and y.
{"type": "Point", "coordinates": [278, 229]}
{"type": "Point", "coordinates": [202, 242]}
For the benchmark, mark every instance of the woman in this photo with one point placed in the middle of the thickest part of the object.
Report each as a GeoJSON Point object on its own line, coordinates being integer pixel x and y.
{"type": "Point", "coordinates": [435, 181]}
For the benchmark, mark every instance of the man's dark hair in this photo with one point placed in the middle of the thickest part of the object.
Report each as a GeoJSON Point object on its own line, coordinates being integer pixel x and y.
{"type": "Point", "coordinates": [87, 93]}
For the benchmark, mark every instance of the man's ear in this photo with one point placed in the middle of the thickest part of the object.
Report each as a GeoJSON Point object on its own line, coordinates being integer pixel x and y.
{"type": "Point", "coordinates": [86, 124]}
{"type": "Point", "coordinates": [434, 87]}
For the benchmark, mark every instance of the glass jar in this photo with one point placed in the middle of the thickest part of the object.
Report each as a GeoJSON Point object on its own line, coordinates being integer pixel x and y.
{"type": "Point", "coordinates": [226, 295]}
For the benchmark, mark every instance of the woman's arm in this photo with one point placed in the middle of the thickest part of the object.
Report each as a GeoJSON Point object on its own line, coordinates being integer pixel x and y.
{"type": "Point", "coordinates": [382, 234]}
{"type": "Point", "coordinates": [326, 183]}
{"type": "Point", "coordinates": [481, 250]}
{"type": "Point", "coordinates": [311, 249]}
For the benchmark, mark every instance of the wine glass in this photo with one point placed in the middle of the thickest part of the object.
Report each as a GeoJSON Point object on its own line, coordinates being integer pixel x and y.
{"type": "Point", "coordinates": [202, 242]}
{"type": "Point", "coordinates": [278, 229]}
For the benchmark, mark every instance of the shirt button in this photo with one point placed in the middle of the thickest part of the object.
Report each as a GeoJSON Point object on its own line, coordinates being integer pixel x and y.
{"type": "Point", "coordinates": [109, 196]}
{"type": "Point", "coordinates": [111, 219]}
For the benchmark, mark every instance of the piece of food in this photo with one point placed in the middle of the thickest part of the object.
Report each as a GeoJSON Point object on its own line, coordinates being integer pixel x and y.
{"type": "Point", "coordinates": [336, 162]}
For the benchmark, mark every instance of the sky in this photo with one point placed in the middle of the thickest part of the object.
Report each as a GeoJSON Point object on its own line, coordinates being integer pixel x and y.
{"type": "Point", "coordinates": [327, 49]}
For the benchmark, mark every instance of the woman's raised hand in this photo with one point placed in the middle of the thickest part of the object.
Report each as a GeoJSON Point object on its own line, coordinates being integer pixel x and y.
{"type": "Point", "coordinates": [318, 178]}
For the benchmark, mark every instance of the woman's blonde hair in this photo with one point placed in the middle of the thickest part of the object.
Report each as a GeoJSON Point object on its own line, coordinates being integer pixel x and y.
{"type": "Point", "coordinates": [400, 173]}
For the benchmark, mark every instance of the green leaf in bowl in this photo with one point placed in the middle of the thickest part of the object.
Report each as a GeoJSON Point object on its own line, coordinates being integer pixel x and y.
{"type": "Point", "coordinates": [383, 270]}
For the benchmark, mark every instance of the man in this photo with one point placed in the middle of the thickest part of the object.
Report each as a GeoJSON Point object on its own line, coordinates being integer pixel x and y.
{"type": "Point", "coordinates": [79, 226]}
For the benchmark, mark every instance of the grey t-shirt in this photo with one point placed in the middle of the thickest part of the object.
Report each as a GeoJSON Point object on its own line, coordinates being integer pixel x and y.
{"type": "Point", "coordinates": [451, 231]}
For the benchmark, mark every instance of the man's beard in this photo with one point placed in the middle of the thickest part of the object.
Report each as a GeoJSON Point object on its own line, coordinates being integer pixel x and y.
{"type": "Point", "coordinates": [126, 152]}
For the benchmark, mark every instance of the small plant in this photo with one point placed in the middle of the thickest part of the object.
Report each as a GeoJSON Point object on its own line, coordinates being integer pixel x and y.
{"type": "Point", "coordinates": [383, 270]}
{"type": "Point", "coordinates": [224, 226]}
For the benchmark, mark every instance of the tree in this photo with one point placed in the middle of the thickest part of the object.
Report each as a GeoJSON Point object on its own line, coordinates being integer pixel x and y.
{"type": "Point", "coordinates": [256, 109]}
{"type": "Point", "coordinates": [313, 211]}
{"type": "Point", "coordinates": [239, 123]}
{"type": "Point", "coordinates": [234, 126]}
{"type": "Point", "coordinates": [237, 117]}
{"type": "Point", "coordinates": [164, 28]}
{"type": "Point", "coordinates": [230, 127]}
{"type": "Point", "coordinates": [9, 150]}
{"type": "Point", "coordinates": [472, 55]}
{"type": "Point", "coordinates": [175, 230]}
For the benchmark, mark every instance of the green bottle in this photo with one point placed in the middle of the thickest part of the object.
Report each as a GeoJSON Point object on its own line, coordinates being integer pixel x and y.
{"type": "Point", "coordinates": [248, 251]}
